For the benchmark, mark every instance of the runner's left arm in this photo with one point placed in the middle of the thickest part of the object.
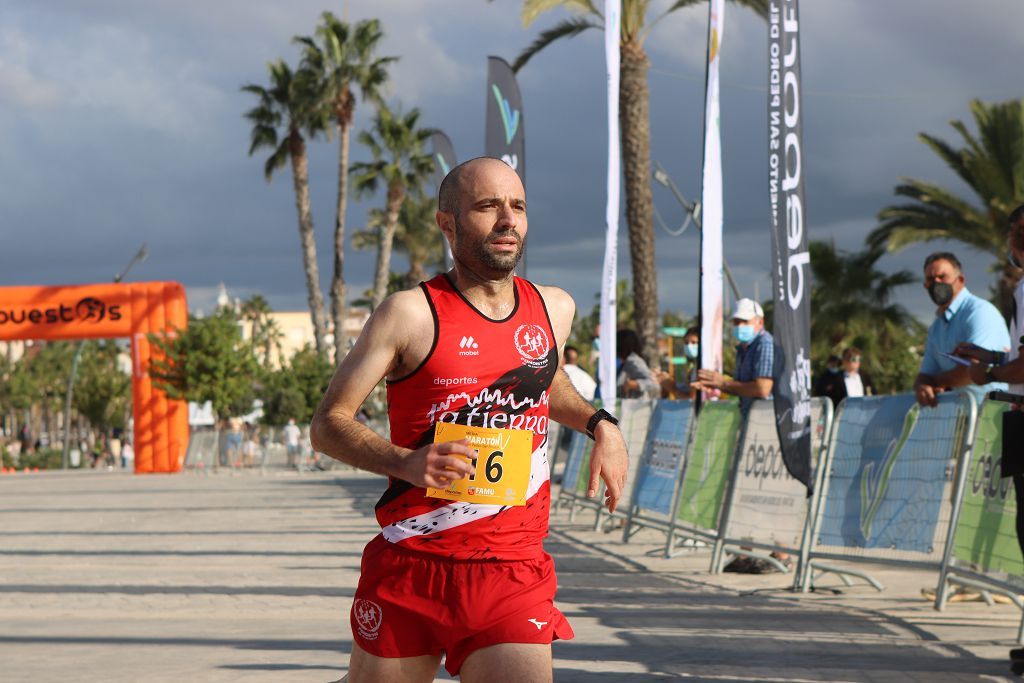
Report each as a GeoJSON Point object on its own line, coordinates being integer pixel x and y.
{"type": "Point", "coordinates": [609, 459]}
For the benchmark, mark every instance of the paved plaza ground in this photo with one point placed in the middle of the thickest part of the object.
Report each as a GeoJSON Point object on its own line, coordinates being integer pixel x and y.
{"type": "Point", "coordinates": [107, 576]}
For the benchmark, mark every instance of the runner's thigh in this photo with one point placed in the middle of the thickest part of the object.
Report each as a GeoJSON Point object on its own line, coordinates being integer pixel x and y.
{"type": "Point", "coordinates": [366, 668]}
{"type": "Point", "coordinates": [526, 662]}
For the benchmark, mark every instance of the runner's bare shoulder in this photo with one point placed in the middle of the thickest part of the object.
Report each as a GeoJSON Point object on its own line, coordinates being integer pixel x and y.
{"type": "Point", "coordinates": [407, 317]}
{"type": "Point", "coordinates": [561, 309]}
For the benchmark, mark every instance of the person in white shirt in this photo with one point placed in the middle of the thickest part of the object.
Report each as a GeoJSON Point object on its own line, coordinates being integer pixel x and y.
{"type": "Point", "coordinates": [291, 441]}
{"type": "Point", "coordinates": [580, 378]}
{"type": "Point", "coordinates": [849, 381]}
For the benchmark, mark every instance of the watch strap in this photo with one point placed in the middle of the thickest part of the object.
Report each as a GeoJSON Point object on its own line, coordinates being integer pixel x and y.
{"type": "Point", "coordinates": [600, 415]}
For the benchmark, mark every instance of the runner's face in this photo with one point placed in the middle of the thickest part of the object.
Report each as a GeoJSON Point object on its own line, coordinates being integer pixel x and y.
{"type": "Point", "coordinates": [490, 227]}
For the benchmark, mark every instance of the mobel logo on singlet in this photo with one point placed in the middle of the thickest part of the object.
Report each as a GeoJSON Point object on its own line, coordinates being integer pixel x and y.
{"type": "Point", "coordinates": [469, 347]}
{"type": "Point", "coordinates": [87, 309]}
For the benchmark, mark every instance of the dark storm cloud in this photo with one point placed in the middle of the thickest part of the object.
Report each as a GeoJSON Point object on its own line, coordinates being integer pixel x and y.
{"type": "Point", "coordinates": [122, 124]}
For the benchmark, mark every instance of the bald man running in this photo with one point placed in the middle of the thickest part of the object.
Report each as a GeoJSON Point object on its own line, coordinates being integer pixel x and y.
{"type": "Point", "coordinates": [471, 360]}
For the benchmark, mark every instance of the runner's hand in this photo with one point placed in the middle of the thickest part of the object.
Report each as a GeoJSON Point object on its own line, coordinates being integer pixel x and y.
{"type": "Point", "coordinates": [608, 461]}
{"type": "Point", "coordinates": [438, 464]}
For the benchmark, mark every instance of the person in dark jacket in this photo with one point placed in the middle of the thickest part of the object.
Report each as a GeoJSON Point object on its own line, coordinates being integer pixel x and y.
{"type": "Point", "coordinates": [850, 381]}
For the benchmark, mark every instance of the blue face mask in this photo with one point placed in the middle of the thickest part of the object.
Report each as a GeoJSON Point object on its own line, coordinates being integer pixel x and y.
{"type": "Point", "coordinates": [834, 371]}
{"type": "Point", "coordinates": [691, 350]}
{"type": "Point", "coordinates": [744, 334]}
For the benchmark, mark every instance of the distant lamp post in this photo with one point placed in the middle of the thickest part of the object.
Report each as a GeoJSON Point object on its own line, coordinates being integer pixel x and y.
{"type": "Point", "coordinates": [693, 211]}
{"type": "Point", "coordinates": [141, 255]}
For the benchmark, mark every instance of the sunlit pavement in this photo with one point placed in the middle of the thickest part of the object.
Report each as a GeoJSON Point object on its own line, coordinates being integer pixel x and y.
{"type": "Point", "coordinates": [107, 576]}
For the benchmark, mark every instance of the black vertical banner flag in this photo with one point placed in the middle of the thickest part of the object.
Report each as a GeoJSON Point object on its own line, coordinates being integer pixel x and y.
{"type": "Point", "coordinates": [791, 260]}
{"type": "Point", "coordinates": [444, 160]}
{"type": "Point", "coordinates": [505, 138]}
{"type": "Point", "coordinates": [444, 157]}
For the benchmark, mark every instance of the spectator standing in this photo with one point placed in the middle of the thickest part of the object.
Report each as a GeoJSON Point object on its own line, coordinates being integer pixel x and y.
{"type": "Point", "coordinates": [997, 366]}
{"type": "Point", "coordinates": [635, 379]}
{"type": "Point", "coordinates": [848, 381]}
{"type": "Point", "coordinates": [579, 377]}
{"type": "Point", "coordinates": [755, 358]}
{"type": "Point", "coordinates": [961, 318]}
{"type": "Point", "coordinates": [292, 434]}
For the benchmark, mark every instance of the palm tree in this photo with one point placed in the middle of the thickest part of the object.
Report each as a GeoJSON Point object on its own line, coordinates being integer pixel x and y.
{"type": "Point", "coordinates": [402, 165]}
{"type": "Point", "coordinates": [417, 236]}
{"type": "Point", "coordinates": [265, 334]}
{"type": "Point", "coordinates": [992, 165]}
{"type": "Point", "coordinates": [635, 121]}
{"type": "Point", "coordinates": [852, 304]}
{"type": "Point", "coordinates": [288, 110]}
{"type": "Point", "coordinates": [342, 56]}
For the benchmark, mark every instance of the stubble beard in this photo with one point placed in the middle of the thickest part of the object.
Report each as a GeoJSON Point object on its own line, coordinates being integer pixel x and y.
{"type": "Point", "coordinates": [503, 263]}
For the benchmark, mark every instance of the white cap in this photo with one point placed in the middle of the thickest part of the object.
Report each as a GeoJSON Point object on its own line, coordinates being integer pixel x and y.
{"type": "Point", "coordinates": [747, 309]}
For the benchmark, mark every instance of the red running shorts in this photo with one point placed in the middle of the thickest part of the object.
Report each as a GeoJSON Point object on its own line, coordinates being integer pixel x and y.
{"type": "Point", "coordinates": [410, 604]}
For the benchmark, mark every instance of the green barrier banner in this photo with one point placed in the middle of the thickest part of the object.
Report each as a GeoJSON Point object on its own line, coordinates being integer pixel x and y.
{"type": "Point", "coordinates": [986, 535]}
{"type": "Point", "coordinates": [707, 466]}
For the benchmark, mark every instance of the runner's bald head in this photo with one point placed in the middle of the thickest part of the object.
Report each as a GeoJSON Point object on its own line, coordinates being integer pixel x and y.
{"type": "Point", "coordinates": [451, 186]}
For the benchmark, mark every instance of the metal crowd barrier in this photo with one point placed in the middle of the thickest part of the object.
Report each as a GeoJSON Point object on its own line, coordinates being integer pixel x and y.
{"type": "Point", "coordinates": [634, 421]}
{"type": "Point", "coordinates": [203, 448]}
{"type": "Point", "coordinates": [659, 467]}
{"type": "Point", "coordinates": [890, 483]}
{"type": "Point", "coordinates": [709, 456]}
{"type": "Point", "coordinates": [984, 552]}
{"type": "Point", "coordinates": [767, 509]}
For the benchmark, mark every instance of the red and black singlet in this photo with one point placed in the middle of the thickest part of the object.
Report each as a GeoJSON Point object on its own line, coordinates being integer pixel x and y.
{"type": "Point", "coordinates": [483, 373]}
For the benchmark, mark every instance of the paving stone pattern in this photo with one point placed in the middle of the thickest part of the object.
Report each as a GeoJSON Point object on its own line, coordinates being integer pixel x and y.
{"type": "Point", "coordinates": [238, 576]}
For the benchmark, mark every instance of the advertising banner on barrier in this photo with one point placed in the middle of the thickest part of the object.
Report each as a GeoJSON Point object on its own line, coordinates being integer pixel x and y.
{"type": "Point", "coordinates": [986, 534]}
{"type": "Point", "coordinates": [634, 422]}
{"type": "Point", "coordinates": [662, 456]}
{"type": "Point", "coordinates": [768, 504]}
{"type": "Point", "coordinates": [577, 465]}
{"type": "Point", "coordinates": [790, 265]}
{"type": "Point", "coordinates": [708, 462]}
{"type": "Point", "coordinates": [711, 259]}
{"type": "Point", "coordinates": [891, 473]}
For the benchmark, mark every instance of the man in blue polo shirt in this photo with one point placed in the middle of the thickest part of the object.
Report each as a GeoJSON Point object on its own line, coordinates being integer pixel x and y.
{"type": "Point", "coordinates": [755, 355]}
{"type": "Point", "coordinates": [960, 318]}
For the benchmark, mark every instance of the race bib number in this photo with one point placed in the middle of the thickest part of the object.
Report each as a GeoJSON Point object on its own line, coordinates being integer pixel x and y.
{"type": "Point", "coordinates": [502, 465]}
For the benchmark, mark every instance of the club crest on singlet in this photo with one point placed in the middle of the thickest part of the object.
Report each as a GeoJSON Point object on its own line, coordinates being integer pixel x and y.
{"type": "Point", "coordinates": [533, 345]}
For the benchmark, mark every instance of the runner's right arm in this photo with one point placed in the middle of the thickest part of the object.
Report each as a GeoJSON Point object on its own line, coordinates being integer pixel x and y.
{"type": "Point", "coordinates": [378, 352]}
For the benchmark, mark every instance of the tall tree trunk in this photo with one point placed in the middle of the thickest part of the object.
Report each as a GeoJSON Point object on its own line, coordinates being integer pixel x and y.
{"type": "Point", "coordinates": [396, 194]}
{"type": "Point", "coordinates": [338, 303]}
{"type": "Point", "coordinates": [636, 156]}
{"type": "Point", "coordinates": [300, 177]}
{"type": "Point", "coordinates": [416, 273]}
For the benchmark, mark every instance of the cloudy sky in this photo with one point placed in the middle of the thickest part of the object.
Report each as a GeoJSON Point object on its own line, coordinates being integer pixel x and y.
{"type": "Point", "coordinates": [122, 125]}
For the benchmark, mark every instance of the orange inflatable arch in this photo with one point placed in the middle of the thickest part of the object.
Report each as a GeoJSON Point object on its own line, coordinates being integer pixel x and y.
{"type": "Point", "coordinates": [103, 311]}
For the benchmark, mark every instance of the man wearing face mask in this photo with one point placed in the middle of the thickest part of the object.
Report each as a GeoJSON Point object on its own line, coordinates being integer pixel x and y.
{"type": "Point", "coordinates": [755, 356]}
{"type": "Point", "coordinates": [961, 318]}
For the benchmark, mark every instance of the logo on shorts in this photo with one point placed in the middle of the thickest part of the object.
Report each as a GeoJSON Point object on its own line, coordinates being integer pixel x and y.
{"type": "Point", "coordinates": [538, 624]}
{"type": "Point", "coordinates": [368, 615]}
{"type": "Point", "coordinates": [533, 345]}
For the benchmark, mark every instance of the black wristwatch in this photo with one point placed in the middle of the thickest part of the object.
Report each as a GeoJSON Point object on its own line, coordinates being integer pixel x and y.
{"type": "Point", "coordinates": [601, 414]}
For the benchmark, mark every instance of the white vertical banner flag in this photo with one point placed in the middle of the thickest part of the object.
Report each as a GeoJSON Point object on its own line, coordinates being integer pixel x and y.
{"type": "Point", "coordinates": [711, 283]}
{"type": "Point", "coordinates": [606, 371]}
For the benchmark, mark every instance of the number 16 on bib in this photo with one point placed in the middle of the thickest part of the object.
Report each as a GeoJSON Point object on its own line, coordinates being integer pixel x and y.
{"type": "Point", "coordinates": [502, 465]}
